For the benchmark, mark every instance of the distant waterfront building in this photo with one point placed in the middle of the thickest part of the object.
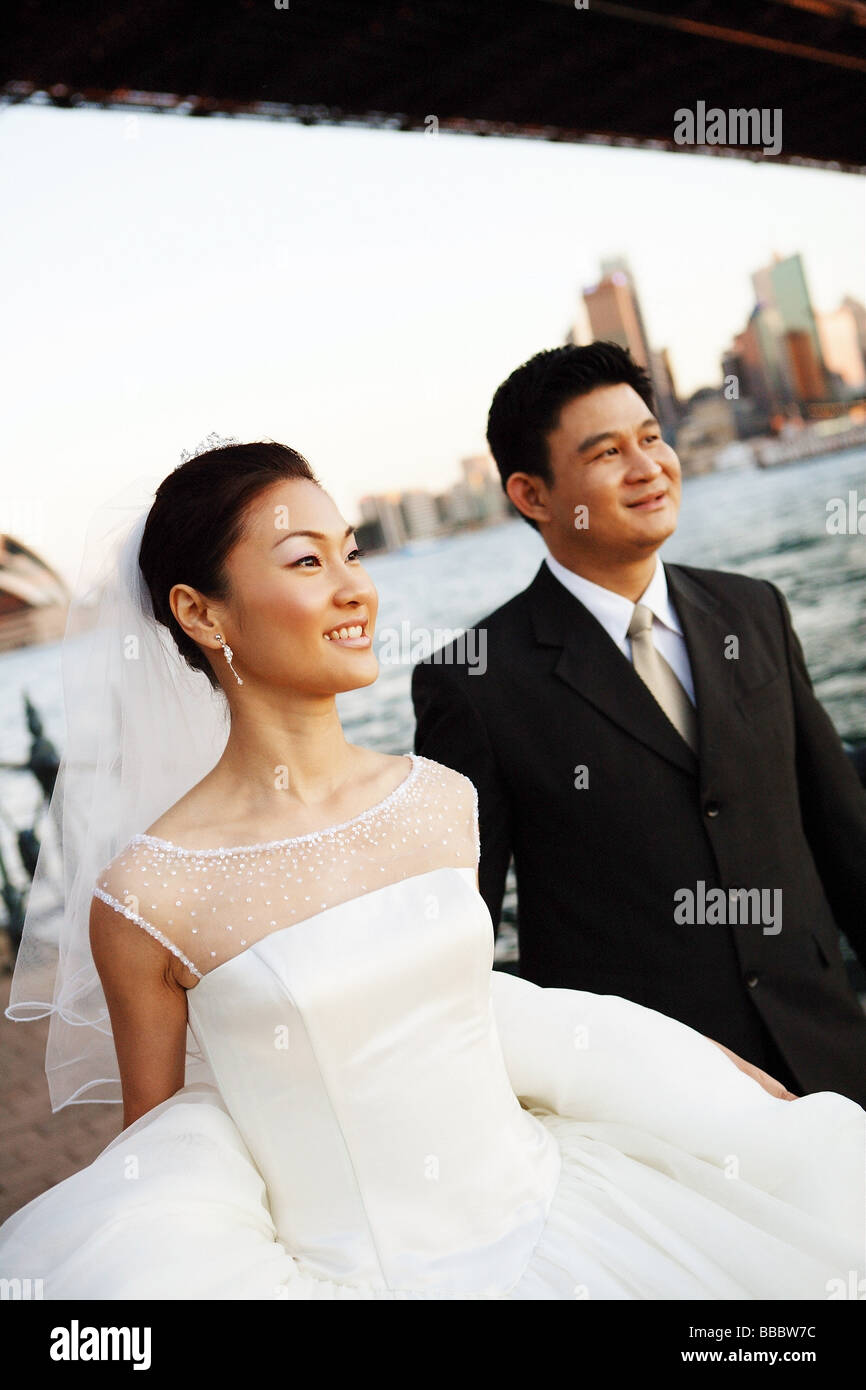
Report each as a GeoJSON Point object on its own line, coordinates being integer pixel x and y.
{"type": "Point", "coordinates": [668, 408]}
{"type": "Point", "coordinates": [782, 287]}
{"type": "Point", "coordinates": [708, 428]}
{"type": "Point", "coordinates": [482, 484]}
{"type": "Point", "coordinates": [766, 321]}
{"type": "Point", "coordinates": [749, 413]}
{"type": "Point", "coordinates": [461, 505]}
{"type": "Point", "coordinates": [384, 509]}
{"type": "Point", "coordinates": [34, 601]}
{"type": "Point", "coordinates": [843, 339]}
{"type": "Point", "coordinates": [789, 361]}
{"type": "Point", "coordinates": [477, 469]}
{"type": "Point", "coordinates": [421, 516]}
{"type": "Point", "coordinates": [752, 380]}
{"type": "Point", "coordinates": [618, 265]}
{"type": "Point", "coordinates": [858, 313]}
{"type": "Point", "coordinates": [390, 520]}
{"type": "Point", "coordinates": [369, 536]}
{"type": "Point", "coordinates": [614, 314]}
{"type": "Point", "coordinates": [807, 366]}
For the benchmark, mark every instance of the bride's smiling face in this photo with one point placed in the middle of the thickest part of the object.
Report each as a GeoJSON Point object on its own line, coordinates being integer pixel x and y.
{"type": "Point", "coordinates": [302, 609]}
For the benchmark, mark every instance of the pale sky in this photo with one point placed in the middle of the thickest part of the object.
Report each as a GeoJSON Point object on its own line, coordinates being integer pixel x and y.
{"type": "Point", "coordinates": [356, 294]}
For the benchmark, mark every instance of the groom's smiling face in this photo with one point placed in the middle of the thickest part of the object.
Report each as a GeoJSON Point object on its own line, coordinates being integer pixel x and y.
{"type": "Point", "coordinates": [607, 456]}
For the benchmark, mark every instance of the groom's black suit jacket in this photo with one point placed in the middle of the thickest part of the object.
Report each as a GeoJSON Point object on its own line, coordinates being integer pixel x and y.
{"type": "Point", "coordinates": [770, 802]}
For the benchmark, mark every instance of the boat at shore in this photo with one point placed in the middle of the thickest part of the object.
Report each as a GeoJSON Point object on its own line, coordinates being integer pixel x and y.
{"type": "Point", "coordinates": [806, 443]}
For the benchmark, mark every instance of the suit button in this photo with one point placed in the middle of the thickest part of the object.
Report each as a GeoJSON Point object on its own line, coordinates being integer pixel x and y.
{"type": "Point", "coordinates": [711, 808]}
{"type": "Point", "coordinates": [751, 979]}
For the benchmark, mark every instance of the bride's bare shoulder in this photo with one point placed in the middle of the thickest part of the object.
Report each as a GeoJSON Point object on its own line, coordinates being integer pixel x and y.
{"type": "Point", "coordinates": [185, 814]}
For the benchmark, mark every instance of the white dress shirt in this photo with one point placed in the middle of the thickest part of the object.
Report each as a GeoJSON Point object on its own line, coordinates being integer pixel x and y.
{"type": "Point", "coordinates": [614, 612]}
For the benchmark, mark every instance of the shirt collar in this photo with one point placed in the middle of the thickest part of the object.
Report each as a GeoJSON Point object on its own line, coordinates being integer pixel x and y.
{"type": "Point", "coordinates": [657, 598]}
{"type": "Point", "coordinates": [612, 610]}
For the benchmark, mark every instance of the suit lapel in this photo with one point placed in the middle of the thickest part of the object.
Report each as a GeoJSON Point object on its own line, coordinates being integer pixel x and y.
{"type": "Point", "coordinates": [591, 663]}
{"type": "Point", "coordinates": [721, 678]}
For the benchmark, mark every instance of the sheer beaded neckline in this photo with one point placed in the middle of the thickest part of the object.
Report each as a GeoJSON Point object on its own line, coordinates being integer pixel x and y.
{"type": "Point", "coordinates": [207, 906]}
{"type": "Point", "coordinates": [311, 836]}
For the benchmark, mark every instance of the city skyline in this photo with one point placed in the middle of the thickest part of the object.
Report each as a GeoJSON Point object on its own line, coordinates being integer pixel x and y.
{"type": "Point", "coordinates": [780, 366]}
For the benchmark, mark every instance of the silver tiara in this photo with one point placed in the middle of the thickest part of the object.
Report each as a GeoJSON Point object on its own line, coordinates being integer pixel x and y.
{"type": "Point", "coordinates": [213, 441]}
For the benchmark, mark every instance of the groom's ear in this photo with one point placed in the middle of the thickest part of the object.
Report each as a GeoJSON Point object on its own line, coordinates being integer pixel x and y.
{"type": "Point", "coordinates": [526, 491]}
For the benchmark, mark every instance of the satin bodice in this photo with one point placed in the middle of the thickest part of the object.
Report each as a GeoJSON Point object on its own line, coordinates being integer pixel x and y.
{"type": "Point", "coordinates": [358, 1055]}
{"type": "Point", "coordinates": [342, 1004]}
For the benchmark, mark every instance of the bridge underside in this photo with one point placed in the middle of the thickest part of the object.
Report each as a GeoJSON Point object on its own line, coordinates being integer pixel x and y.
{"type": "Point", "coordinates": [604, 73]}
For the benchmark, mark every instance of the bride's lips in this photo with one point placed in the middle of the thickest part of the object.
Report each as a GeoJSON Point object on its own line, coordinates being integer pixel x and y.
{"type": "Point", "coordinates": [650, 503]}
{"type": "Point", "coordinates": [361, 639]}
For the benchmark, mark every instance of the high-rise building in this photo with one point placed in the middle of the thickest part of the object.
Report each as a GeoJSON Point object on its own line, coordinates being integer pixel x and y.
{"type": "Point", "coordinates": [420, 513]}
{"type": "Point", "coordinates": [477, 470]}
{"type": "Point", "coordinates": [843, 340]}
{"type": "Point", "coordinates": [746, 385]}
{"type": "Point", "coordinates": [385, 509]}
{"type": "Point", "coordinates": [614, 313]}
{"type": "Point", "coordinates": [858, 313]}
{"type": "Point", "coordinates": [766, 321]}
{"type": "Point", "coordinates": [618, 265]}
{"type": "Point", "coordinates": [810, 377]}
{"type": "Point", "coordinates": [668, 407]}
{"type": "Point", "coordinates": [782, 287]}
{"type": "Point", "coordinates": [462, 506]}
{"type": "Point", "coordinates": [773, 373]}
{"type": "Point", "coordinates": [480, 493]}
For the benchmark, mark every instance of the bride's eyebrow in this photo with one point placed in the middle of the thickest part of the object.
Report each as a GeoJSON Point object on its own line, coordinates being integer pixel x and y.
{"type": "Point", "coordinates": [316, 535]}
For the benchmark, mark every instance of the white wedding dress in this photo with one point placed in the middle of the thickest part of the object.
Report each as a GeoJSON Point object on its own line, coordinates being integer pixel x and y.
{"type": "Point", "coordinates": [389, 1118]}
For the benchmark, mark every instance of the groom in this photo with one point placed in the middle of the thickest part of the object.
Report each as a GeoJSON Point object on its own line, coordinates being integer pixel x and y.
{"type": "Point", "coordinates": [686, 829]}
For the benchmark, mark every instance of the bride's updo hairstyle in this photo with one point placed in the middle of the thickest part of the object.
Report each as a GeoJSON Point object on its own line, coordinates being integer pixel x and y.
{"type": "Point", "coordinates": [198, 516]}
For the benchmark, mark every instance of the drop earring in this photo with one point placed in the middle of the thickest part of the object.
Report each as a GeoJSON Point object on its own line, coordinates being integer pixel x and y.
{"type": "Point", "coordinates": [228, 654]}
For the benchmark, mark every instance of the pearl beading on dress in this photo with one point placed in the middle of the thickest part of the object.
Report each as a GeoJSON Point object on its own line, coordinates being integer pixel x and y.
{"type": "Point", "coordinates": [208, 905]}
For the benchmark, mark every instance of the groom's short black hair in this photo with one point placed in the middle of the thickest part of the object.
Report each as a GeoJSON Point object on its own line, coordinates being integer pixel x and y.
{"type": "Point", "coordinates": [526, 407]}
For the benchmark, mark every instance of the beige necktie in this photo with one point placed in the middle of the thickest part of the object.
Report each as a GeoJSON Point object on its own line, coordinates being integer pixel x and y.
{"type": "Point", "coordinates": [655, 673]}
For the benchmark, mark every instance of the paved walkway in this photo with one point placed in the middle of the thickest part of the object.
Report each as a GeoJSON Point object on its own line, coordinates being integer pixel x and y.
{"type": "Point", "coordinates": [37, 1148]}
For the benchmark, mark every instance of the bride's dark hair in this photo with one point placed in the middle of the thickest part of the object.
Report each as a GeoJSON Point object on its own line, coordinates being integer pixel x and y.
{"type": "Point", "coordinates": [198, 516]}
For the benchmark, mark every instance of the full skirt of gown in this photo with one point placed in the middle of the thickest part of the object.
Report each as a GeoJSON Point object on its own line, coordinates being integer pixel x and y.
{"type": "Point", "coordinates": [680, 1179]}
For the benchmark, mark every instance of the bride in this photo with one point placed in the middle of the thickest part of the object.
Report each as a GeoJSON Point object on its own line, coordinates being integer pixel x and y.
{"type": "Point", "coordinates": [286, 979]}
